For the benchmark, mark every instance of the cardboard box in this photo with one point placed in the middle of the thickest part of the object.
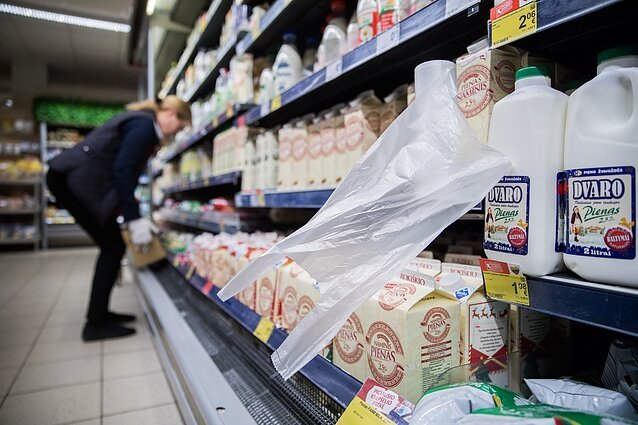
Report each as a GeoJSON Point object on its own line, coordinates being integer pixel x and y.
{"type": "Point", "coordinates": [224, 266]}
{"type": "Point", "coordinates": [412, 336]}
{"type": "Point", "coordinates": [362, 123]}
{"type": "Point", "coordinates": [266, 304]}
{"type": "Point", "coordinates": [484, 332]}
{"type": "Point", "coordinates": [393, 105]}
{"type": "Point", "coordinates": [470, 260]}
{"type": "Point", "coordinates": [284, 163]}
{"type": "Point", "coordinates": [349, 347]}
{"type": "Point", "coordinates": [297, 294]}
{"type": "Point", "coordinates": [299, 155]}
{"type": "Point", "coordinates": [426, 266]}
{"type": "Point", "coordinates": [483, 78]}
{"type": "Point", "coordinates": [315, 162]}
{"type": "Point", "coordinates": [154, 253]}
{"type": "Point", "coordinates": [328, 150]}
{"type": "Point", "coordinates": [342, 167]}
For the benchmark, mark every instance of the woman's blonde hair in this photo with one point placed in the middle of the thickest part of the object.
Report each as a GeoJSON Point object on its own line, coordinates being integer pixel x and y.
{"type": "Point", "coordinates": [182, 108]}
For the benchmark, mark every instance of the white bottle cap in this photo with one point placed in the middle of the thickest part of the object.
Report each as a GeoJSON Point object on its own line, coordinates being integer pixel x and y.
{"type": "Point", "coordinates": [450, 280]}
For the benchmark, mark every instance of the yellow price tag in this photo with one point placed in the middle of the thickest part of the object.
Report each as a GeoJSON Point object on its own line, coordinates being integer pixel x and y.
{"type": "Point", "coordinates": [175, 262]}
{"type": "Point", "coordinates": [215, 122]}
{"type": "Point", "coordinates": [508, 288]}
{"type": "Point", "coordinates": [256, 32]}
{"type": "Point", "coordinates": [264, 329]}
{"type": "Point", "coordinates": [361, 413]}
{"type": "Point", "coordinates": [261, 199]}
{"type": "Point", "coordinates": [230, 112]}
{"type": "Point", "coordinates": [189, 273]}
{"type": "Point", "coordinates": [515, 25]}
{"type": "Point", "coordinates": [275, 103]}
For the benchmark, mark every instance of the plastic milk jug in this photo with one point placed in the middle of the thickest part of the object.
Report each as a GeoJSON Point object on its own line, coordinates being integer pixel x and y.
{"type": "Point", "coordinates": [368, 19]}
{"type": "Point", "coordinates": [523, 215]}
{"type": "Point", "coordinates": [601, 158]}
{"type": "Point", "coordinates": [288, 66]}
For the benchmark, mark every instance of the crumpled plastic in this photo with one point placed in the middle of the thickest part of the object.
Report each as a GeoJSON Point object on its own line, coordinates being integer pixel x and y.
{"type": "Point", "coordinates": [423, 173]}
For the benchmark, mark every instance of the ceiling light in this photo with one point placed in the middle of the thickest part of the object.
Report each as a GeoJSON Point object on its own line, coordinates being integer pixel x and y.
{"type": "Point", "coordinates": [150, 7]}
{"type": "Point", "coordinates": [64, 19]}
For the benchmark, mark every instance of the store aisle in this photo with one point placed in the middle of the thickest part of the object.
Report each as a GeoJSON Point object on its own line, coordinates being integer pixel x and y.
{"type": "Point", "coordinates": [48, 376]}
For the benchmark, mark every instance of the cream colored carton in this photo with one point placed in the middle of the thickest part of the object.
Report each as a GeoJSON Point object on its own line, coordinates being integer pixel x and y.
{"type": "Point", "coordinates": [270, 159]}
{"type": "Point", "coordinates": [341, 158]}
{"type": "Point", "coordinates": [470, 260]}
{"type": "Point", "coordinates": [560, 75]}
{"type": "Point", "coordinates": [362, 126]}
{"type": "Point", "coordinates": [426, 266]}
{"type": "Point", "coordinates": [328, 152]}
{"type": "Point", "coordinates": [315, 175]}
{"type": "Point", "coordinates": [412, 335]}
{"type": "Point", "coordinates": [247, 296]}
{"type": "Point", "coordinates": [484, 333]}
{"type": "Point", "coordinates": [266, 304]}
{"type": "Point", "coordinates": [393, 105]}
{"type": "Point", "coordinates": [484, 77]}
{"type": "Point", "coordinates": [411, 94]}
{"type": "Point", "coordinates": [284, 163]}
{"type": "Point", "coordinates": [224, 266]}
{"type": "Point", "coordinates": [297, 294]}
{"type": "Point", "coordinates": [300, 154]}
{"type": "Point", "coordinates": [349, 347]}
{"type": "Point", "coordinates": [528, 329]}
{"type": "Point", "coordinates": [426, 254]}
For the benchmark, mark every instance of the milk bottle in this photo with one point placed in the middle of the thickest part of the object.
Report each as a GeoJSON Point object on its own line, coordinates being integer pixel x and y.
{"type": "Point", "coordinates": [601, 157]}
{"type": "Point", "coordinates": [522, 218]}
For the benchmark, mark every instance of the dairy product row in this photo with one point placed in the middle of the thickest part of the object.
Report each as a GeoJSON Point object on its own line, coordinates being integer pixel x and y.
{"type": "Point", "coordinates": [570, 198]}
{"type": "Point", "coordinates": [431, 318]}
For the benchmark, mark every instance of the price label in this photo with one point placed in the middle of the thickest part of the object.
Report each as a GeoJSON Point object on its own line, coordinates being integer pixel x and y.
{"type": "Point", "coordinates": [388, 38]}
{"type": "Point", "coordinates": [190, 272]}
{"type": "Point", "coordinates": [515, 25]}
{"type": "Point", "coordinates": [230, 112]}
{"type": "Point", "coordinates": [256, 32]}
{"type": "Point", "coordinates": [275, 103]}
{"type": "Point", "coordinates": [264, 109]}
{"type": "Point", "coordinates": [208, 286]}
{"type": "Point", "coordinates": [215, 122]}
{"type": "Point", "coordinates": [505, 282]}
{"type": "Point", "coordinates": [361, 413]}
{"type": "Point", "coordinates": [264, 329]}
{"type": "Point", "coordinates": [260, 199]}
{"type": "Point", "coordinates": [334, 69]}
{"type": "Point", "coordinates": [175, 262]}
{"type": "Point", "coordinates": [241, 121]}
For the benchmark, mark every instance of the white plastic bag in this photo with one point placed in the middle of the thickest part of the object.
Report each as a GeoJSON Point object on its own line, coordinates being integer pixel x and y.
{"type": "Point", "coordinates": [579, 396]}
{"type": "Point", "coordinates": [423, 173]}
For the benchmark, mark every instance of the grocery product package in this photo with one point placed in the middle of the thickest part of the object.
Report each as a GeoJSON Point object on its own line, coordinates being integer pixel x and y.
{"type": "Point", "coordinates": [425, 172]}
{"type": "Point", "coordinates": [621, 369]}
{"type": "Point", "coordinates": [580, 396]}
{"type": "Point", "coordinates": [450, 403]}
{"type": "Point", "coordinates": [539, 414]}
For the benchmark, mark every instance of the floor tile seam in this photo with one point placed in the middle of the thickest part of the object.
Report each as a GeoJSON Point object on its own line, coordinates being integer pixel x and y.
{"type": "Point", "coordinates": [134, 375]}
{"type": "Point", "coordinates": [34, 272]}
{"type": "Point", "coordinates": [53, 388]}
{"type": "Point", "coordinates": [30, 351]}
{"type": "Point", "coordinates": [79, 421]}
{"type": "Point", "coordinates": [154, 406]}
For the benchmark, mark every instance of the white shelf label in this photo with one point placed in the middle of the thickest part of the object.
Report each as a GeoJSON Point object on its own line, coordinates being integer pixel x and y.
{"type": "Point", "coordinates": [334, 69]}
{"type": "Point", "coordinates": [388, 38]}
{"type": "Point", "coordinates": [264, 109]}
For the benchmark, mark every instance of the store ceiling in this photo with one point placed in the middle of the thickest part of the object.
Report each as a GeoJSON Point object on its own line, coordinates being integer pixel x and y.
{"type": "Point", "coordinates": [73, 54]}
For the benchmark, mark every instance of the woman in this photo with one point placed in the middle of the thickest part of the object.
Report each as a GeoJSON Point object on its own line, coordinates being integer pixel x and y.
{"type": "Point", "coordinates": [95, 181]}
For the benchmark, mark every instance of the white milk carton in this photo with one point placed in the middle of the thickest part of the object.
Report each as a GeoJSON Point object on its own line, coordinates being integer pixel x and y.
{"type": "Point", "coordinates": [296, 294]}
{"type": "Point", "coordinates": [270, 159]}
{"type": "Point", "coordinates": [349, 347]}
{"type": "Point", "coordinates": [469, 260]}
{"type": "Point", "coordinates": [362, 126]}
{"type": "Point", "coordinates": [248, 177]}
{"type": "Point", "coordinates": [484, 333]}
{"type": "Point", "coordinates": [426, 266]}
{"type": "Point", "coordinates": [328, 163]}
{"type": "Point", "coordinates": [284, 163]}
{"type": "Point", "coordinates": [266, 304]}
{"type": "Point", "coordinates": [315, 175]}
{"type": "Point", "coordinates": [300, 154]}
{"type": "Point", "coordinates": [483, 77]}
{"type": "Point", "coordinates": [342, 166]}
{"type": "Point", "coordinates": [412, 335]}
{"type": "Point", "coordinates": [393, 105]}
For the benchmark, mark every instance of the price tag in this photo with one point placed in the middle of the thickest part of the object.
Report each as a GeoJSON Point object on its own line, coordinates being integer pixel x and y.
{"type": "Point", "coordinates": [215, 122]}
{"type": "Point", "coordinates": [361, 413]}
{"type": "Point", "coordinates": [264, 109]}
{"type": "Point", "coordinates": [515, 25]}
{"type": "Point", "coordinates": [176, 262]}
{"type": "Point", "coordinates": [334, 69]}
{"type": "Point", "coordinates": [208, 286]}
{"type": "Point", "coordinates": [388, 38]}
{"type": "Point", "coordinates": [264, 329]}
{"type": "Point", "coordinates": [230, 112]}
{"type": "Point", "coordinates": [256, 32]}
{"type": "Point", "coordinates": [189, 273]}
{"type": "Point", "coordinates": [260, 199]}
{"type": "Point", "coordinates": [505, 282]}
{"type": "Point", "coordinates": [241, 121]}
{"type": "Point", "coordinates": [275, 103]}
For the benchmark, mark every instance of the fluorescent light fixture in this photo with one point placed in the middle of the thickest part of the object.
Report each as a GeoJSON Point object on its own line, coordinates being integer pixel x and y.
{"type": "Point", "coordinates": [150, 7]}
{"type": "Point", "coordinates": [61, 18]}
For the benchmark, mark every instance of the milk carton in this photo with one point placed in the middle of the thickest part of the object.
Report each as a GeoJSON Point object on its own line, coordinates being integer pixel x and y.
{"type": "Point", "coordinates": [393, 105]}
{"type": "Point", "coordinates": [300, 154]}
{"type": "Point", "coordinates": [328, 165]}
{"type": "Point", "coordinates": [483, 77]}
{"type": "Point", "coordinates": [362, 126]}
{"type": "Point", "coordinates": [248, 174]}
{"type": "Point", "coordinates": [425, 266]}
{"type": "Point", "coordinates": [266, 304]}
{"type": "Point", "coordinates": [411, 94]}
{"type": "Point", "coordinates": [284, 163]}
{"type": "Point", "coordinates": [484, 324]}
{"type": "Point", "coordinates": [297, 294]}
{"type": "Point", "coordinates": [412, 335]}
{"type": "Point", "coordinates": [224, 266]}
{"type": "Point", "coordinates": [270, 159]}
{"type": "Point", "coordinates": [349, 347]}
{"type": "Point", "coordinates": [247, 296]}
{"type": "Point", "coordinates": [342, 167]}
{"type": "Point", "coordinates": [315, 175]}
{"type": "Point", "coordinates": [470, 260]}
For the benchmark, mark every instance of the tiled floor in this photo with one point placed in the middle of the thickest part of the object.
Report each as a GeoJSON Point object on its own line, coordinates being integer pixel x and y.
{"type": "Point", "coordinates": [48, 376]}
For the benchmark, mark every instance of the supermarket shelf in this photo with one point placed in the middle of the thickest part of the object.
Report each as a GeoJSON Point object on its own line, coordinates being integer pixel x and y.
{"type": "Point", "coordinates": [207, 85]}
{"type": "Point", "coordinates": [19, 182]}
{"type": "Point", "coordinates": [369, 59]}
{"type": "Point", "coordinates": [61, 144]}
{"type": "Point", "coordinates": [196, 221]}
{"type": "Point", "coordinates": [66, 234]}
{"type": "Point", "coordinates": [19, 241]}
{"type": "Point", "coordinates": [275, 199]}
{"type": "Point", "coordinates": [231, 178]}
{"type": "Point", "coordinates": [218, 124]}
{"type": "Point", "coordinates": [28, 211]}
{"type": "Point", "coordinates": [333, 381]}
{"type": "Point", "coordinates": [281, 16]}
{"type": "Point", "coordinates": [216, 13]}
{"type": "Point", "coordinates": [566, 295]}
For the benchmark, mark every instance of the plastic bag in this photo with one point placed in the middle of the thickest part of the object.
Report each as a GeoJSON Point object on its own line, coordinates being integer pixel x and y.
{"type": "Point", "coordinates": [580, 396]}
{"type": "Point", "coordinates": [423, 173]}
{"type": "Point", "coordinates": [446, 405]}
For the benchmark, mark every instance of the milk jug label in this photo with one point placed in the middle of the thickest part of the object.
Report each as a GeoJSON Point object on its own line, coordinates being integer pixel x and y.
{"type": "Point", "coordinates": [601, 212]}
{"type": "Point", "coordinates": [561, 211]}
{"type": "Point", "coordinates": [507, 216]}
